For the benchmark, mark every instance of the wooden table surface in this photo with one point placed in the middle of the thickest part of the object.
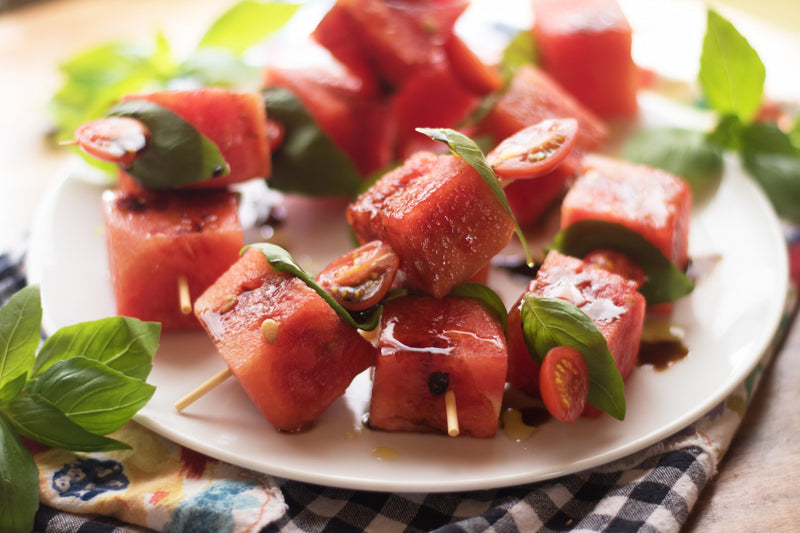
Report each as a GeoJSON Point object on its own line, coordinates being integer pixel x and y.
{"type": "Point", "coordinates": [755, 489]}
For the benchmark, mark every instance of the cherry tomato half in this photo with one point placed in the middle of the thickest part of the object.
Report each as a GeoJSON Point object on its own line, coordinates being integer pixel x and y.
{"type": "Point", "coordinates": [115, 139]}
{"type": "Point", "coordinates": [535, 150]}
{"type": "Point", "coordinates": [361, 278]}
{"type": "Point", "coordinates": [564, 383]}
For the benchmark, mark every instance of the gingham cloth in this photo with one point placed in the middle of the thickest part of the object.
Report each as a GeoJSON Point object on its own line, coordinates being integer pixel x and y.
{"type": "Point", "coordinates": [651, 491]}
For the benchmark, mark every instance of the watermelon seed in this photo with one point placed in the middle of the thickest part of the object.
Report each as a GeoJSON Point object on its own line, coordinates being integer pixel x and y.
{"type": "Point", "coordinates": [228, 304]}
{"type": "Point", "coordinates": [269, 330]}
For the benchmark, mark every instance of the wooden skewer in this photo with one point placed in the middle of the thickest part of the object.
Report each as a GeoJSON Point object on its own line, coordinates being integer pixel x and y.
{"type": "Point", "coordinates": [452, 413]}
{"type": "Point", "coordinates": [200, 391]}
{"type": "Point", "coordinates": [68, 142]}
{"type": "Point", "coordinates": [184, 298]}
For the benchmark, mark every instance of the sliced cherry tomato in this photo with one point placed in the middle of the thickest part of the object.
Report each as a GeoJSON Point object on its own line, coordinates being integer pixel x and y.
{"type": "Point", "coordinates": [361, 278]}
{"type": "Point", "coordinates": [535, 150]}
{"type": "Point", "coordinates": [564, 383]}
{"type": "Point", "coordinates": [115, 139]}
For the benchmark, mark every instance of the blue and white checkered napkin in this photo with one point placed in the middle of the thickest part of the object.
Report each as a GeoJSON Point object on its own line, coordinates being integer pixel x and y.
{"type": "Point", "coordinates": [651, 491]}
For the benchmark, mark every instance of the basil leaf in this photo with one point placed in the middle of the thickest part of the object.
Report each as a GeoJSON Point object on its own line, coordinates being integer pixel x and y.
{"type": "Point", "coordinates": [550, 322]}
{"type": "Point", "coordinates": [13, 387]}
{"type": "Point", "coordinates": [731, 73]}
{"type": "Point", "coordinates": [307, 161]}
{"type": "Point", "coordinates": [98, 77]}
{"type": "Point", "coordinates": [19, 482]}
{"type": "Point", "coordinates": [520, 51]}
{"type": "Point", "coordinates": [279, 259]}
{"type": "Point", "coordinates": [483, 293]}
{"type": "Point", "coordinates": [40, 420]}
{"type": "Point", "coordinates": [124, 344]}
{"type": "Point", "coordinates": [771, 158]}
{"type": "Point", "coordinates": [20, 327]}
{"type": "Point", "coordinates": [216, 67]}
{"type": "Point", "coordinates": [684, 153]}
{"type": "Point", "coordinates": [466, 149]}
{"type": "Point", "coordinates": [92, 394]}
{"type": "Point", "coordinates": [664, 282]}
{"type": "Point", "coordinates": [247, 23]}
{"type": "Point", "coordinates": [178, 155]}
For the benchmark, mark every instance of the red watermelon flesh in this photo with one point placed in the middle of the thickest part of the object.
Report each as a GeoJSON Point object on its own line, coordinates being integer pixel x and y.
{"type": "Point", "coordinates": [431, 98]}
{"type": "Point", "coordinates": [530, 199]}
{"type": "Point", "coordinates": [420, 336]}
{"type": "Point", "coordinates": [154, 239]}
{"type": "Point", "coordinates": [650, 201]}
{"type": "Point", "coordinates": [307, 361]}
{"type": "Point", "coordinates": [611, 301]}
{"type": "Point", "coordinates": [531, 97]}
{"type": "Point", "coordinates": [235, 121]}
{"type": "Point", "coordinates": [585, 45]}
{"type": "Point", "coordinates": [438, 215]}
{"type": "Point", "coordinates": [388, 41]}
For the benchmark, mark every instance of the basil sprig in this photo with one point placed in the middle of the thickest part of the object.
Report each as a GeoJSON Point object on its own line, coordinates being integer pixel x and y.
{"type": "Point", "coordinates": [551, 322]}
{"type": "Point", "coordinates": [731, 77]}
{"type": "Point", "coordinates": [282, 261]}
{"type": "Point", "coordinates": [664, 282]}
{"type": "Point", "coordinates": [86, 382]}
{"type": "Point", "coordinates": [178, 154]}
{"type": "Point", "coordinates": [307, 161]}
{"type": "Point", "coordinates": [97, 77]}
{"type": "Point", "coordinates": [465, 148]}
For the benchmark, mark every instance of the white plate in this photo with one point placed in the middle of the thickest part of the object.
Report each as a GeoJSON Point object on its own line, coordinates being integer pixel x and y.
{"type": "Point", "coordinates": [729, 321]}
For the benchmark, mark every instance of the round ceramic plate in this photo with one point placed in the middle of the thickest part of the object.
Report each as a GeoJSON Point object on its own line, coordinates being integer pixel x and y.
{"type": "Point", "coordinates": [728, 321]}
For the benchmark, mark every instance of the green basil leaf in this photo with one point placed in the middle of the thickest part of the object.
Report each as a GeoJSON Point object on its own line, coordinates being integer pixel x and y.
{"type": "Point", "coordinates": [19, 482]}
{"type": "Point", "coordinates": [282, 261]}
{"type": "Point", "coordinates": [794, 133]}
{"type": "Point", "coordinates": [98, 77]}
{"type": "Point", "coordinates": [550, 322]}
{"type": "Point", "coordinates": [92, 394]}
{"type": "Point", "coordinates": [727, 133]}
{"type": "Point", "coordinates": [664, 282]}
{"type": "Point", "coordinates": [684, 153]}
{"type": "Point", "coordinates": [520, 51]}
{"type": "Point", "coordinates": [178, 155]}
{"type": "Point", "coordinates": [13, 388]}
{"type": "Point", "coordinates": [246, 24]}
{"type": "Point", "coordinates": [466, 149]}
{"type": "Point", "coordinates": [40, 420]}
{"type": "Point", "coordinates": [731, 73]}
{"type": "Point", "coordinates": [20, 328]}
{"type": "Point", "coordinates": [307, 161]}
{"type": "Point", "coordinates": [215, 67]}
{"type": "Point", "coordinates": [771, 158]}
{"type": "Point", "coordinates": [124, 344]}
{"type": "Point", "coordinates": [490, 298]}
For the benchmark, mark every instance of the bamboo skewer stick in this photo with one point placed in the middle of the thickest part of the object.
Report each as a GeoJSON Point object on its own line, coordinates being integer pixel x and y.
{"type": "Point", "coordinates": [452, 413]}
{"type": "Point", "coordinates": [200, 391]}
{"type": "Point", "coordinates": [184, 297]}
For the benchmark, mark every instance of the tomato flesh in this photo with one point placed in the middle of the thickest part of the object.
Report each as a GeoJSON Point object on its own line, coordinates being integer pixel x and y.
{"type": "Point", "coordinates": [535, 150]}
{"type": "Point", "coordinates": [361, 278]}
{"type": "Point", "coordinates": [115, 139]}
{"type": "Point", "coordinates": [564, 383]}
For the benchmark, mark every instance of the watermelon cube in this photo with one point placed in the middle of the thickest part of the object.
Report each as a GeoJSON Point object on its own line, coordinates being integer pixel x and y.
{"type": "Point", "coordinates": [427, 346]}
{"type": "Point", "coordinates": [533, 96]}
{"type": "Point", "coordinates": [610, 300]}
{"type": "Point", "coordinates": [530, 199]}
{"type": "Point", "coordinates": [438, 215]}
{"type": "Point", "coordinates": [235, 121]}
{"type": "Point", "coordinates": [289, 350]}
{"type": "Point", "coordinates": [585, 45]}
{"type": "Point", "coordinates": [650, 201]}
{"type": "Point", "coordinates": [388, 41]}
{"type": "Point", "coordinates": [154, 239]}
